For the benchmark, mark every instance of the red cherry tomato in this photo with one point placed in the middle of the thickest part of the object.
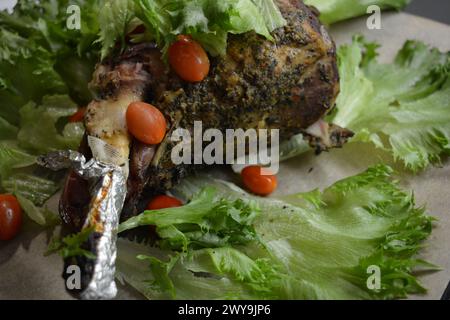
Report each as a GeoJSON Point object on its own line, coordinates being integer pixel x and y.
{"type": "Point", "coordinates": [189, 59]}
{"type": "Point", "coordinates": [10, 217]}
{"type": "Point", "coordinates": [259, 181]}
{"type": "Point", "coordinates": [146, 123]}
{"type": "Point", "coordinates": [78, 116]}
{"type": "Point", "coordinates": [163, 202]}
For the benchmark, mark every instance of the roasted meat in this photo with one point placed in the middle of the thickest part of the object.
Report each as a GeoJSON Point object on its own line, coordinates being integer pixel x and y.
{"type": "Point", "coordinates": [287, 84]}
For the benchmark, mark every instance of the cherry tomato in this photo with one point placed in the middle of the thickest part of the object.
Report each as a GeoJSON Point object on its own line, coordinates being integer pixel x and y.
{"type": "Point", "coordinates": [189, 59]}
{"type": "Point", "coordinates": [10, 217]}
{"type": "Point", "coordinates": [259, 181]}
{"type": "Point", "coordinates": [163, 202]}
{"type": "Point", "coordinates": [78, 116]}
{"type": "Point", "coordinates": [146, 123]}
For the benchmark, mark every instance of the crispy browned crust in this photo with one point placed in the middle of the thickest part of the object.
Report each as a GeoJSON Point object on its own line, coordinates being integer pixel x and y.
{"type": "Point", "coordinates": [287, 84]}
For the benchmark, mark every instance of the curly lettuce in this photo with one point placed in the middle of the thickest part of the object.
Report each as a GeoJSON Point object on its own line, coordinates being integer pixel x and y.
{"type": "Point", "coordinates": [40, 56]}
{"type": "Point", "coordinates": [12, 157]}
{"type": "Point", "coordinates": [202, 225]}
{"type": "Point", "coordinates": [45, 69]}
{"type": "Point", "coordinates": [42, 128]}
{"type": "Point", "coordinates": [402, 107]}
{"type": "Point", "coordinates": [316, 245]}
{"type": "Point", "coordinates": [38, 125]}
{"type": "Point", "coordinates": [207, 21]}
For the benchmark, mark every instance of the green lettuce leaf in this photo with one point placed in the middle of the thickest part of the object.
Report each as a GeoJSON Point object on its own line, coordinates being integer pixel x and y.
{"type": "Point", "coordinates": [271, 13]}
{"type": "Point", "coordinates": [39, 56]}
{"type": "Point", "coordinates": [7, 130]}
{"type": "Point", "coordinates": [402, 107]}
{"type": "Point", "coordinates": [162, 281]}
{"type": "Point", "coordinates": [38, 126]}
{"type": "Point", "coordinates": [201, 224]}
{"type": "Point", "coordinates": [31, 190]}
{"type": "Point", "coordinates": [41, 215]}
{"type": "Point", "coordinates": [257, 276]}
{"type": "Point", "coordinates": [72, 245]}
{"type": "Point", "coordinates": [26, 73]}
{"type": "Point", "coordinates": [166, 282]}
{"type": "Point", "coordinates": [42, 64]}
{"type": "Point", "coordinates": [31, 186]}
{"type": "Point", "coordinates": [208, 21]}
{"type": "Point", "coordinates": [13, 157]}
{"type": "Point", "coordinates": [332, 11]}
{"type": "Point", "coordinates": [316, 245]}
{"type": "Point", "coordinates": [114, 19]}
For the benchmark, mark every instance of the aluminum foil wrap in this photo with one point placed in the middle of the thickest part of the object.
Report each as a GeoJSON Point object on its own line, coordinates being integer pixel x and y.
{"type": "Point", "coordinates": [108, 190]}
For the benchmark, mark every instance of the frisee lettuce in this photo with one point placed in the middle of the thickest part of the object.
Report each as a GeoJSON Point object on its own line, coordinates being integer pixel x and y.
{"type": "Point", "coordinates": [114, 19]}
{"type": "Point", "coordinates": [402, 107]}
{"type": "Point", "coordinates": [31, 186]}
{"type": "Point", "coordinates": [202, 224]}
{"type": "Point", "coordinates": [332, 11]}
{"type": "Point", "coordinates": [72, 245]}
{"type": "Point", "coordinates": [316, 245]}
{"type": "Point", "coordinates": [39, 132]}
{"type": "Point", "coordinates": [38, 125]}
{"type": "Point", "coordinates": [13, 157]}
{"type": "Point", "coordinates": [40, 56]}
{"type": "Point", "coordinates": [41, 215]}
{"type": "Point", "coordinates": [26, 73]}
{"type": "Point", "coordinates": [43, 66]}
{"type": "Point", "coordinates": [207, 21]}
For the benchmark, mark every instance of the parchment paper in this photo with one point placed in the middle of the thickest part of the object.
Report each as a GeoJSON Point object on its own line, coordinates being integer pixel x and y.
{"type": "Point", "coordinates": [26, 274]}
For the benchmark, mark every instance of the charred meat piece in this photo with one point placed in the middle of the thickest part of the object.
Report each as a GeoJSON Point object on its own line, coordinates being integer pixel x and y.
{"type": "Point", "coordinates": [287, 84]}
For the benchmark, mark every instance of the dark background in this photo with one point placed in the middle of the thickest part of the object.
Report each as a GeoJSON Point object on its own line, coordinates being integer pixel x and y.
{"type": "Point", "coordinates": [433, 9]}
